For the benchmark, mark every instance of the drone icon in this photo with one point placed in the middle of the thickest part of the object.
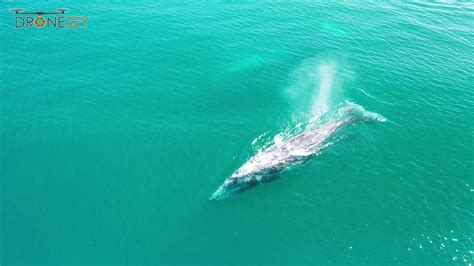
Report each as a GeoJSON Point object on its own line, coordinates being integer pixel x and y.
{"type": "Point", "coordinates": [40, 13]}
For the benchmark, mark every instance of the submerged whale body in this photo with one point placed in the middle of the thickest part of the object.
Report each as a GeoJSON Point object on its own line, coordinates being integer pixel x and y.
{"type": "Point", "coordinates": [267, 163]}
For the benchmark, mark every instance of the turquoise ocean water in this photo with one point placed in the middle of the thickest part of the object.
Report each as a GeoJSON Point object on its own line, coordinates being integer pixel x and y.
{"type": "Point", "coordinates": [113, 137]}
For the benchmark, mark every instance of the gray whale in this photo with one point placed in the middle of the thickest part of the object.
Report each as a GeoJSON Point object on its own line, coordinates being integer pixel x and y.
{"type": "Point", "coordinates": [265, 165]}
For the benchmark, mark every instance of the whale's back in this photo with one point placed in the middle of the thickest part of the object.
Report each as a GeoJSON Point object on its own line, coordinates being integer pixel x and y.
{"type": "Point", "coordinates": [292, 151]}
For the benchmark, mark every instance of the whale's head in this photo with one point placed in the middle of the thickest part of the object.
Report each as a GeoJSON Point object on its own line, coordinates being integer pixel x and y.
{"type": "Point", "coordinates": [234, 184]}
{"type": "Point", "coordinates": [358, 112]}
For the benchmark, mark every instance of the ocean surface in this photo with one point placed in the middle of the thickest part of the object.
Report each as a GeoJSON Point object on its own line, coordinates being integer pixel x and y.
{"type": "Point", "coordinates": [113, 137]}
